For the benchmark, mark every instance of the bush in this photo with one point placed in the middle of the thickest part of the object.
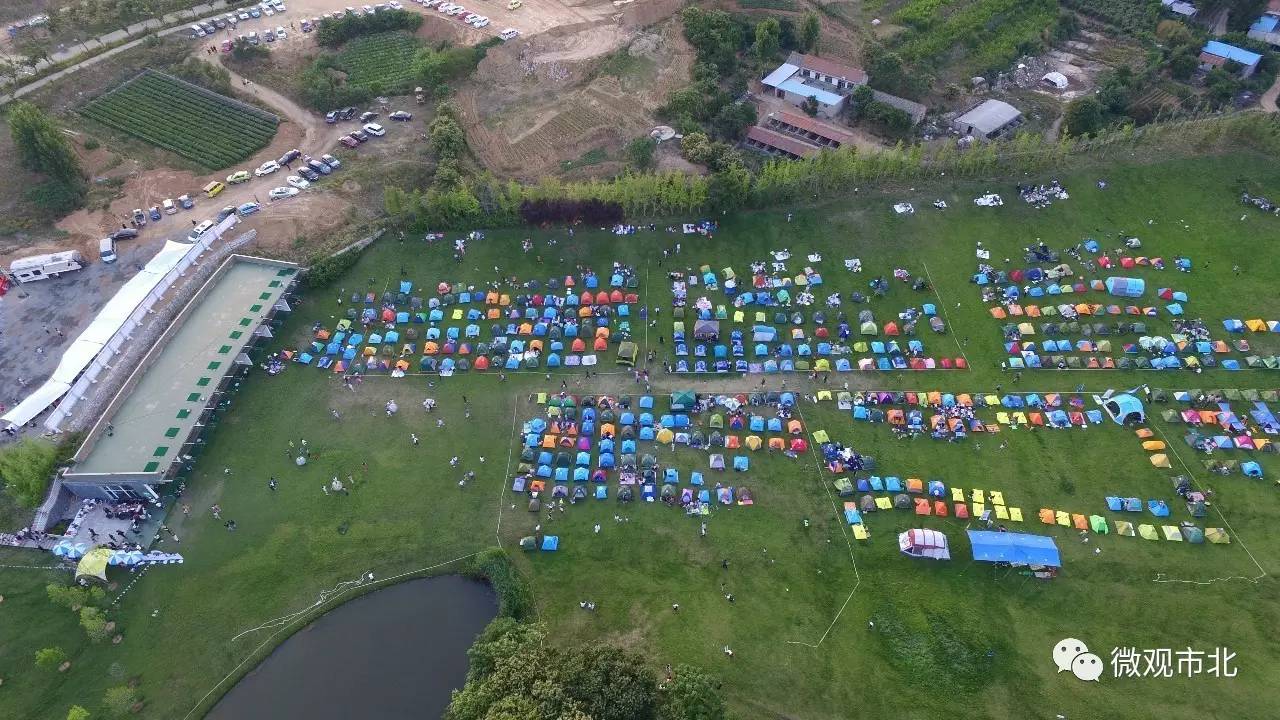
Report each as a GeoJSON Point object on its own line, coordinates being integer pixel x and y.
{"type": "Point", "coordinates": [94, 623]}
{"type": "Point", "coordinates": [77, 713]}
{"type": "Point", "coordinates": [50, 657]}
{"type": "Point", "coordinates": [515, 599]}
{"type": "Point", "coordinates": [26, 468]}
{"type": "Point", "coordinates": [91, 143]}
{"type": "Point", "coordinates": [57, 197]}
{"type": "Point", "coordinates": [640, 152]}
{"type": "Point", "coordinates": [324, 272]}
{"type": "Point", "coordinates": [67, 596]}
{"type": "Point", "coordinates": [119, 701]}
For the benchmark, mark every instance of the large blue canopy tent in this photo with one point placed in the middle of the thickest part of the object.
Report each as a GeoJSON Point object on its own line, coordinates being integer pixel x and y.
{"type": "Point", "coordinates": [1014, 548]}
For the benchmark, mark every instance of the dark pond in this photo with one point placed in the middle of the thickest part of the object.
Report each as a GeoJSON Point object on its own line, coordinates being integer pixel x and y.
{"type": "Point", "coordinates": [394, 653]}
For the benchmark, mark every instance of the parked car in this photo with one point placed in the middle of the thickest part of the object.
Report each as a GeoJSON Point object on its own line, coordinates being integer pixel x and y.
{"type": "Point", "coordinates": [349, 141]}
{"type": "Point", "coordinates": [269, 36]}
{"type": "Point", "coordinates": [331, 161]}
{"type": "Point", "coordinates": [307, 26]}
{"type": "Point", "coordinates": [155, 212]}
{"type": "Point", "coordinates": [267, 168]}
{"type": "Point", "coordinates": [331, 117]}
{"type": "Point", "coordinates": [197, 31]}
{"type": "Point", "coordinates": [268, 12]}
{"type": "Point", "coordinates": [281, 193]}
{"type": "Point", "coordinates": [280, 33]}
{"type": "Point", "coordinates": [220, 23]}
{"type": "Point", "coordinates": [244, 15]}
{"type": "Point", "coordinates": [480, 22]}
{"type": "Point", "coordinates": [227, 45]}
{"type": "Point", "coordinates": [186, 202]}
{"type": "Point", "coordinates": [124, 234]}
{"type": "Point", "coordinates": [367, 116]}
{"type": "Point", "coordinates": [322, 168]}
{"type": "Point", "coordinates": [248, 209]}
{"type": "Point", "coordinates": [253, 38]}
{"type": "Point", "coordinates": [467, 18]}
{"type": "Point", "coordinates": [139, 217]}
{"type": "Point", "coordinates": [401, 116]}
{"type": "Point", "coordinates": [289, 157]}
{"type": "Point", "coordinates": [375, 129]}
{"type": "Point", "coordinates": [360, 135]}
{"type": "Point", "coordinates": [395, 5]}
{"type": "Point", "coordinates": [509, 34]}
{"type": "Point", "coordinates": [308, 173]}
{"type": "Point", "coordinates": [347, 113]}
{"type": "Point", "coordinates": [295, 181]}
{"type": "Point", "coordinates": [238, 177]}
{"type": "Point", "coordinates": [213, 188]}
{"type": "Point", "coordinates": [168, 207]}
{"type": "Point", "coordinates": [255, 12]}
{"type": "Point", "coordinates": [224, 213]}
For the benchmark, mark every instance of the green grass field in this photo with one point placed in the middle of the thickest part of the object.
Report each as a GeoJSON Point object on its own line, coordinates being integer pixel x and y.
{"type": "Point", "coordinates": [950, 638]}
{"type": "Point", "coordinates": [199, 125]}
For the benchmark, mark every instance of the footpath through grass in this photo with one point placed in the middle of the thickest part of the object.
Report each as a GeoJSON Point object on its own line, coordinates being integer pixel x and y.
{"type": "Point", "coordinates": [949, 637]}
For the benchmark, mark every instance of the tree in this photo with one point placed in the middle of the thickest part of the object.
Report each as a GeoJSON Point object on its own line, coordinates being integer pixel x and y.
{"type": "Point", "coordinates": [1173, 34]}
{"type": "Point", "coordinates": [729, 188]}
{"type": "Point", "coordinates": [692, 695]}
{"type": "Point", "coordinates": [244, 51]}
{"type": "Point", "coordinates": [1083, 116]}
{"type": "Point", "coordinates": [33, 51]}
{"type": "Point", "coordinates": [67, 596]}
{"type": "Point", "coordinates": [119, 701]}
{"type": "Point", "coordinates": [94, 623]}
{"type": "Point", "coordinates": [26, 466]}
{"type": "Point", "coordinates": [77, 713]}
{"type": "Point", "coordinates": [447, 140]}
{"type": "Point", "coordinates": [640, 153]}
{"type": "Point", "coordinates": [809, 32]}
{"type": "Point", "coordinates": [696, 148]}
{"type": "Point", "coordinates": [1183, 65]}
{"type": "Point", "coordinates": [50, 657]}
{"type": "Point", "coordinates": [768, 34]}
{"type": "Point", "coordinates": [887, 72]}
{"type": "Point", "coordinates": [732, 121]}
{"type": "Point", "coordinates": [610, 683]}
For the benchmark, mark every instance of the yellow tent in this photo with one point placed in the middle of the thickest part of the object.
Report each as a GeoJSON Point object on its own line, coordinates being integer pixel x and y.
{"type": "Point", "coordinates": [1026, 329]}
{"type": "Point", "coordinates": [997, 497]}
{"type": "Point", "coordinates": [1153, 445]}
{"type": "Point", "coordinates": [1063, 518]}
{"type": "Point", "coordinates": [1217, 536]}
{"type": "Point", "coordinates": [665, 436]}
{"type": "Point", "coordinates": [1015, 514]}
{"type": "Point", "coordinates": [1160, 460]}
{"type": "Point", "coordinates": [754, 442]}
{"type": "Point", "coordinates": [860, 532]}
{"type": "Point", "coordinates": [884, 503]}
{"type": "Point", "coordinates": [1172, 533]}
{"type": "Point", "coordinates": [1148, 532]}
{"type": "Point", "coordinates": [93, 566]}
{"type": "Point", "coordinates": [1124, 527]}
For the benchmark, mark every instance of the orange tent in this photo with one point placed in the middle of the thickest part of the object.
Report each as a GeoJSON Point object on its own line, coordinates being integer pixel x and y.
{"type": "Point", "coordinates": [602, 332]}
{"type": "Point", "coordinates": [600, 344]}
{"type": "Point", "coordinates": [491, 298]}
{"type": "Point", "coordinates": [577, 345]}
{"type": "Point", "coordinates": [493, 314]}
{"type": "Point", "coordinates": [732, 442]}
{"type": "Point", "coordinates": [1080, 521]}
{"type": "Point", "coordinates": [607, 429]}
{"type": "Point", "coordinates": [923, 507]}
{"type": "Point", "coordinates": [915, 485]}
{"type": "Point", "coordinates": [1047, 516]}
{"type": "Point", "coordinates": [776, 443]}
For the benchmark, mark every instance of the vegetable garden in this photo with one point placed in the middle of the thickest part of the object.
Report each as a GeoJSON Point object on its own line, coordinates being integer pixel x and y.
{"type": "Point", "coordinates": [381, 63]}
{"type": "Point", "coordinates": [993, 32]}
{"type": "Point", "coordinates": [212, 130]}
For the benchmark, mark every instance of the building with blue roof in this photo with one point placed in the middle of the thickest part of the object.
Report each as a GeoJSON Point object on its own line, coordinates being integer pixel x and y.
{"type": "Point", "coordinates": [1266, 29]}
{"type": "Point", "coordinates": [827, 82]}
{"type": "Point", "coordinates": [1217, 54]}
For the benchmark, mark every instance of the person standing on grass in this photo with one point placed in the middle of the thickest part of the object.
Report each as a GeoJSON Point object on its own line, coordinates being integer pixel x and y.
{"type": "Point", "coordinates": [413, 438]}
{"type": "Point", "coordinates": [272, 484]}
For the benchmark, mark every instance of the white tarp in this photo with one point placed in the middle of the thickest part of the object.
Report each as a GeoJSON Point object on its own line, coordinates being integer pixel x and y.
{"type": "Point", "coordinates": [155, 277]}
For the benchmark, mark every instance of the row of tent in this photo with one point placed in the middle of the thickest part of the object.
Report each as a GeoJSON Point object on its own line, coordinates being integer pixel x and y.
{"type": "Point", "coordinates": [1069, 311]}
{"type": "Point", "coordinates": [785, 350]}
{"type": "Point", "coordinates": [822, 364]}
{"type": "Point", "coordinates": [1031, 361]}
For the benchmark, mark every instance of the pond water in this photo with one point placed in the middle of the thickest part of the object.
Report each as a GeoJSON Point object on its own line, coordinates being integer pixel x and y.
{"type": "Point", "coordinates": [394, 653]}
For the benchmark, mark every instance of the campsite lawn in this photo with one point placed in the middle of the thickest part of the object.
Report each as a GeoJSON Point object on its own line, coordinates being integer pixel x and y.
{"type": "Point", "coordinates": [950, 638]}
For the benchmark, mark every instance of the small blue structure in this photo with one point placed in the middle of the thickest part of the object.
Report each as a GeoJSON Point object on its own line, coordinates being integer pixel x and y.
{"type": "Point", "coordinates": [1124, 408]}
{"type": "Point", "coordinates": [1126, 286]}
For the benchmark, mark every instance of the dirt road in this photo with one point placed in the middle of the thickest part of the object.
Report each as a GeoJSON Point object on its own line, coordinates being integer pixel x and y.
{"type": "Point", "coordinates": [1268, 100]}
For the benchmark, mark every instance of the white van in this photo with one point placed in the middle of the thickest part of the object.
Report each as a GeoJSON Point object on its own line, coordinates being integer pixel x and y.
{"type": "Point", "coordinates": [40, 267]}
{"type": "Point", "coordinates": [107, 250]}
{"type": "Point", "coordinates": [199, 230]}
{"type": "Point", "coordinates": [168, 206]}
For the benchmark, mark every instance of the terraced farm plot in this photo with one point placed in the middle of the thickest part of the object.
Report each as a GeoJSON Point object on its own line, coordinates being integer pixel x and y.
{"type": "Point", "coordinates": [380, 62]}
{"type": "Point", "coordinates": [200, 125]}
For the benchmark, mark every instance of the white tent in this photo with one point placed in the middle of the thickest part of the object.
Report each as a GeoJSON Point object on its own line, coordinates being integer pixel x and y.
{"type": "Point", "coordinates": [924, 543]}
{"type": "Point", "coordinates": [104, 331]}
{"type": "Point", "coordinates": [1055, 80]}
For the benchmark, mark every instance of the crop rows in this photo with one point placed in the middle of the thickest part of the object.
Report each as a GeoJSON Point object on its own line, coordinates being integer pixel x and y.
{"type": "Point", "coordinates": [1132, 15]}
{"type": "Point", "coordinates": [168, 113]}
{"type": "Point", "coordinates": [971, 26]}
{"type": "Point", "coordinates": [383, 62]}
{"type": "Point", "coordinates": [920, 14]}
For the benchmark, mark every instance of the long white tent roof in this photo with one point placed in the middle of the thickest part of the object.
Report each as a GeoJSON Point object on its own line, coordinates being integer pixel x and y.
{"type": "Point", "coordinates": [89, 344]}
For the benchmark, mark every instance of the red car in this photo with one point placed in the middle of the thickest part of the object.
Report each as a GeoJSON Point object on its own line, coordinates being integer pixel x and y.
{"type": "Point", "coordinates": [349, 141]}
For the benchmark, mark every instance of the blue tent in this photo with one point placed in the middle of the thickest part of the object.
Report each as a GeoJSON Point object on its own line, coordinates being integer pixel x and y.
{"type": "Point", "coordinates": [1014, 548]}
{"type": "Point", "coordinates": [1126, 287]}
{"type": "Point", "coordinates": [550, 542]}
{"type": "Point", "coordinates": [1251, 469]}
{"type": "Point", "coordinates": [1124, 408]}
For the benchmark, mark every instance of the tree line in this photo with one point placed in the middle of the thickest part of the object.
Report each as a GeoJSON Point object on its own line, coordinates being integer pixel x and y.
{"type": "Point", "coordinates": [43, 148]}
{"type": "Point", "coordinates": [485, 200]}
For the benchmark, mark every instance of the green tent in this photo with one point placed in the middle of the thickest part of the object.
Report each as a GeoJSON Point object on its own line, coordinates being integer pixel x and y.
{"type": "Point", "coordinates": [1099, 524]}
{"type": "Point", "coordinates": [683, 400]}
